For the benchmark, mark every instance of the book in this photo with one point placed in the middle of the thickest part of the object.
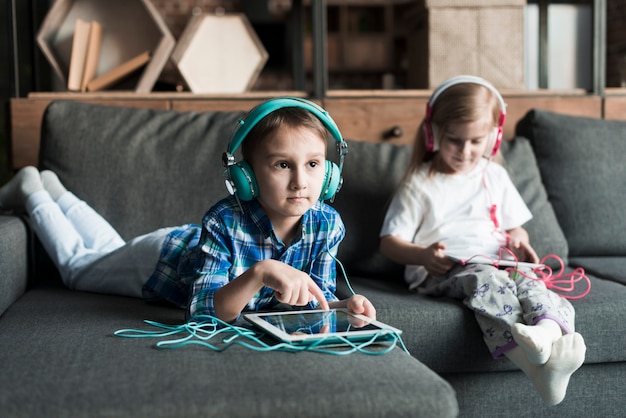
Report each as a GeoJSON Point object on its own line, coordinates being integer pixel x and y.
{"type": "Point", "coordinates": [118, 73]}
{"type": "Point", "coordinates": [93, 54]}
{"type": "Point", "coordinates": [78, 54]}
{"type": "Point", "coordinates": [85, 54]}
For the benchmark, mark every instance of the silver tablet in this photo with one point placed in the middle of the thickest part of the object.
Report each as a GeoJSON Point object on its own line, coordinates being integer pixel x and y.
{"type": "Point", "coordinates": [479, 259]}
{"type": "Point", "coordinates": [335, 326]}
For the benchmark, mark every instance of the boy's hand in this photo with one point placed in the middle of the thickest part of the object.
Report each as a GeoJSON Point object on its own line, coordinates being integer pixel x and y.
{"type": "Point", "coordinates": [292, 286]}
{"type": "Point", "coordinates": [357, 304]}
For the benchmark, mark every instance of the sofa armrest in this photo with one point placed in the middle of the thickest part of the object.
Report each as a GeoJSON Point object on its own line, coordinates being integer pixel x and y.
{"type": "Point", "coordinates": [14, 256]}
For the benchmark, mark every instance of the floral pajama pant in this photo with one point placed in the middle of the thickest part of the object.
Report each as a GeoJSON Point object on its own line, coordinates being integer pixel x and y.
{"type": "Point", "coordinates": [500, 299]}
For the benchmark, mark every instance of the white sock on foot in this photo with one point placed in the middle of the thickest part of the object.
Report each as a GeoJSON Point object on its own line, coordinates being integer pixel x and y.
{"type": "Point", "coordinates": [52, 184]}
{"type": "Point", "coordinates": [13, 195]}
{"type": "Point", "coordinates": [536, 340]}
{"type": "Point", "coordinates": [551, 379]}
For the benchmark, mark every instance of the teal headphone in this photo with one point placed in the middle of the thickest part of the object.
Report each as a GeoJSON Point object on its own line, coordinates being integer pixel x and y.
{"type": "Point", "coordinates": [240, 179]}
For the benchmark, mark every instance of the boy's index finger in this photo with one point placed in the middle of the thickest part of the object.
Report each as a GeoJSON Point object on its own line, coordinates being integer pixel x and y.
{"type": "Point", "coordinates": [319, 295]}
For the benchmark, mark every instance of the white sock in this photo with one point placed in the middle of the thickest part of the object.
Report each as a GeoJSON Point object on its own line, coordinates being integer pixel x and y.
{"type": "Point", "coordinates": [13, 195]}
{"type": "Point", "coordinates": [52, 184]}
{"type": "Point", "coordinates": [552, 378]}
{"type": "Point", "coordinates": [536, 340]}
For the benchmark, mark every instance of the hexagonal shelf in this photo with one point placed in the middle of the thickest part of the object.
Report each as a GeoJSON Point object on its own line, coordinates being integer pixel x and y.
{"type": "Point", "coordinates": [219, 54]}
{"type": "Point", "coordinates": [130, 27]}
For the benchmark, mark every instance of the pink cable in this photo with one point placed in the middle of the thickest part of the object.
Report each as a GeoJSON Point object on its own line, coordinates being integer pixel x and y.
{"type": "Point", "coordinates": [560, 282]}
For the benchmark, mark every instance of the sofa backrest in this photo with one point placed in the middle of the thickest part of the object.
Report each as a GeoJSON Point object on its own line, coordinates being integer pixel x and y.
{"type": "Point", "coordinates": [142, 169]}
{"type": "Point", "coordinates": [581, 161]}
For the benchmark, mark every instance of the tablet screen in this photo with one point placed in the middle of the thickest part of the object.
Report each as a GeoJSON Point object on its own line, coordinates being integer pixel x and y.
{"type": "Point", "coordinates": [310, 326]}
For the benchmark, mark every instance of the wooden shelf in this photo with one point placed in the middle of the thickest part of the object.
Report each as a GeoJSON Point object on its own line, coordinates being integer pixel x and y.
{"type": "Point", "coordinates": [130, 27]}
{"type": "Point", "coordinates": [360, 115]}
{"type": "Point", "coordinates": [200, 58]}
{"type": "Point", "coordinates": [361, 39]}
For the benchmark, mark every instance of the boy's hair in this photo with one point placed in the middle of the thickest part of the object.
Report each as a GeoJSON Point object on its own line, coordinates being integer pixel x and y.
{"type": "Point", "coordinates": [292, 117]}
{"type": "Point", "coordinates": [461, 103]}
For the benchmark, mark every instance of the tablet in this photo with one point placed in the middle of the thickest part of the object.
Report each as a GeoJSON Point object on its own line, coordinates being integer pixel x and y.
{"type": "Point", "coordinates": [479, 259]}
{"type": "Point", "coordinates": [335, 326]}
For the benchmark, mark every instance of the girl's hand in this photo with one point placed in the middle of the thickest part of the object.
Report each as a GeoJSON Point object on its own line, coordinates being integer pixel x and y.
{"type": "Point", "coordinates": [523, 251]}
{"type": "Point", "coordinates": [520, 246]}
{"type": "Point", "coordinates": [435, 261]}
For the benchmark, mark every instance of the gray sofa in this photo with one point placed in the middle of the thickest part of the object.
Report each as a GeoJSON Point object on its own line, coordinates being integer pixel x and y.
{"type": "Point", "coordinates": [143, 169]}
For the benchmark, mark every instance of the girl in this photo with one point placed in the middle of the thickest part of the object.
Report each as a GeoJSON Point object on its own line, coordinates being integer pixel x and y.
{"type": "Point", "coordinates": [454, 204]}
{"type": "Point", "coordinates": [276, 244]}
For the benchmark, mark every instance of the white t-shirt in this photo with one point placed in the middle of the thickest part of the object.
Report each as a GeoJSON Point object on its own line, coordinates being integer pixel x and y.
{"type": "Point", "coordinates": [455, 210]}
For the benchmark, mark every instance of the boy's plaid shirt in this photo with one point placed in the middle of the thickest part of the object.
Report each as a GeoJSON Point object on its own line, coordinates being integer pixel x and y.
{"type": "Point", "coordinates": [195, 261]}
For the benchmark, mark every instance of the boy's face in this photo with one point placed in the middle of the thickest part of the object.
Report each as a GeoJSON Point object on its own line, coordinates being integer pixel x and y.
{"type": "Point", "coordinates": [289, 166]}
{"type": "Point", "coordinates": [464, 144]}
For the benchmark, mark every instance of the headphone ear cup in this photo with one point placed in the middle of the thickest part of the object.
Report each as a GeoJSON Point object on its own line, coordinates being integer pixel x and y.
{"type": "Point", "coordinates": [431, 133]}
{"type": "Point", "coordinates": [495, 139]}
{"type": "Point", "coordinates": [434, 131]}
{"type": "Point", "coordinates": [429, 138]}
{"type": "Point", "coordinates": [243, 180]}
{"type": "Point", "coordinates": [332, 181]}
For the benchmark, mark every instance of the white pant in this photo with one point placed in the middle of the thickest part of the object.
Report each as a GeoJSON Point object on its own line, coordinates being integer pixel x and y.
{"type": "Point", "coordinates": [89, 254]}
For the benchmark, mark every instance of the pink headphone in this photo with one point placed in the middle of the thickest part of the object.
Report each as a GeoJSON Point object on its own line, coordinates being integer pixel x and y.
{"type": "Point", "coordinates": [430, 130]}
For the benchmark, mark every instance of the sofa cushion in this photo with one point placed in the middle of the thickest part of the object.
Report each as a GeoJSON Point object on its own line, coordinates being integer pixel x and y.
{"type": "Point", "coordinates": [546, 235]}
{"type": "Point", "coordinates": [14, 267]}
{"type": "Point", "coordinates": [58, 349]}
{"type": "Point", "coordinates": [443, 334]}
{"type": "Point", "coordinates": [142, 169]}
{"type": "Point", "coordinates": [581, 161]}
{"type": "Point", "coordinates": [609, 268]}
{"type": "Point", "coordinates": [371, 174]}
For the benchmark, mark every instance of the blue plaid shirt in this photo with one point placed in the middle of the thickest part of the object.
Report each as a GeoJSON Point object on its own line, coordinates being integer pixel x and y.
{"type": "Point", "coordinates": [197, 261]}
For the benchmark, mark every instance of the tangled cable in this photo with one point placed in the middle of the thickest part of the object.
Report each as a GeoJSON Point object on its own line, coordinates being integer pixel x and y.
{"type": "Point", "coordinates": [562, 283]}
{"type": "Point", "coordinates": [217, 335]}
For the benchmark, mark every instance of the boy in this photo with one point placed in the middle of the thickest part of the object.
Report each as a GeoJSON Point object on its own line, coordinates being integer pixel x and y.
{"type": "Point", "coordinates": [278, 246]}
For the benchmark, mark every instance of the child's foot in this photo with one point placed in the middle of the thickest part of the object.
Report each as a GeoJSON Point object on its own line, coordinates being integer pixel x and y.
{"type": "Point", "coordinates": [13, 195]}
{"type": "Point", "coordinates": [536, 340]}
{"type": "Point", "coordinates": [52, 184]}
{"type": "Point", "coordinates": [551, 379]}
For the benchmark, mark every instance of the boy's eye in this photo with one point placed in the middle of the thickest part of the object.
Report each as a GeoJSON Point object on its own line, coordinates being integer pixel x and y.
{"type": "Point", "coordinates": [282, 164]}
{"type": "Point", "coordinates": [313, 164]}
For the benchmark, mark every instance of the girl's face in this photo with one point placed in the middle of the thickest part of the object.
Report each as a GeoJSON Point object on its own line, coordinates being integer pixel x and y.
{"type": "Point", "coordinates": [462, 145]}
{"type": "Point", "coordinates": [289, 166]}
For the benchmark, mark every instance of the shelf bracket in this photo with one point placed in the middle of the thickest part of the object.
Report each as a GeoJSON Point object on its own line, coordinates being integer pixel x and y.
{"type": "Point", "coordinates": [320, 67]}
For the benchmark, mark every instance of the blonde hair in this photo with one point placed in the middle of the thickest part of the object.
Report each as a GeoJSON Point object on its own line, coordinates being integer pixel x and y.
{"type": "Point", "coordinates": [461, 103]}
